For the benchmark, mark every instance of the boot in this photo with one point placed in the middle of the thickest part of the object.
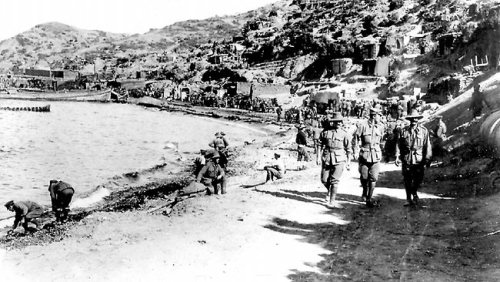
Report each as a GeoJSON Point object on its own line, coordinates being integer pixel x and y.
{"type": "Point", "coordinates": [64, 216]}
{"type": "Point", "coordinates": [59, 215]}
{"type": "Point", "coordinates": [408, 193]}
{"type": "Point", "coordinates": [333, 194]}
{"type": "Point", "coordinates": [415, 199]}
{"type": "Point", "coordinates": [327, 198]}
{"type": "Point", "coordinates": [370, 188]}
{"type": "Point", "coordinates": [216, 189]}
{"type": "Point", "coordinates": [364, 184]}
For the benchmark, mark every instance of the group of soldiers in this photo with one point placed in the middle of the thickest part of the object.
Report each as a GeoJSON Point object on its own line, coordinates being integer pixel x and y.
{"type": "Point", "coordinates": [211, 165]}
{"type": "Point", "coordinates": [335, 144]}
{"type": "Point", "coordinates": [255, 104]}
{"type": "Point", "coordinates": [27, 212]}
{"type": "Point", "coordinates": [210, 170]}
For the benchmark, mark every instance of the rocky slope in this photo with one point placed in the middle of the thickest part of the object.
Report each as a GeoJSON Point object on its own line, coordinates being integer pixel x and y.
{"type": "Point", "coordinates": [287, 40]}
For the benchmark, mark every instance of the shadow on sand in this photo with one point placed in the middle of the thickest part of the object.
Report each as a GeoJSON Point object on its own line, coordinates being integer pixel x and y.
{"type": "Point", "coordinates": [391, 242]}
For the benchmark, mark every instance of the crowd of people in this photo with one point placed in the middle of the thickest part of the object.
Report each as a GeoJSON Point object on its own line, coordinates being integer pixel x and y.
{"type": "Point", "coordinates": [338, 136]}
{"type": "Point", "coordinates": [379, 136]}
{"type": "Point", "coordinates": [256, 104]}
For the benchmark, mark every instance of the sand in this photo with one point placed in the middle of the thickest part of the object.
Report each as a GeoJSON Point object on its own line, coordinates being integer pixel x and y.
{"type": "Point", "coordinates": [281, 231]}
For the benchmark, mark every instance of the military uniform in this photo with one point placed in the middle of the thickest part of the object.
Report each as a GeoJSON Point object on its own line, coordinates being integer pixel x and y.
{"type": "Point", "coordinates": [390, 139]}
{"type": "Point", "coordinates": [414, 151]}
{"type": "Point", "coordinates": [369, 137]}
{"type": "Point", "coordinates": [61, 194]}
{"type": "Point", "coordinates": [26, 210]}
{"type": "Point", "coordinates": [439, 135]}
{"type": "Point", "coordinates": [301, 140]}
{"type": "Point", "coordinates": [199, 163]}
{"type": "Point", "coordinates": [211, 175]}
{"type": "Point", "coordinates": [336, 147]}
{"type": "Point", "coordinates": [220, 144]}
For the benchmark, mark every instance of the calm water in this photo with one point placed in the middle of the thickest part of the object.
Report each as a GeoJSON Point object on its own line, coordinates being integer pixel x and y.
{"type": "Point", "coordinates": [88, 144]}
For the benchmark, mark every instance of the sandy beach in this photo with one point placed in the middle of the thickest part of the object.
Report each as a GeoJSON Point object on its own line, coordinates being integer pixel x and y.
{"type": "Point", "coordinates": [280, 231]}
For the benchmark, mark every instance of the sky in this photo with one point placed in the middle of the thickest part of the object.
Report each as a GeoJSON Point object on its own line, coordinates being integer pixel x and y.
{"type": "Point", "coordinates": [120, 16]}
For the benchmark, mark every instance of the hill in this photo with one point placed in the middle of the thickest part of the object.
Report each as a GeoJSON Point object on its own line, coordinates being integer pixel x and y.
{"type": "Point", "coordinates": [393, 44]}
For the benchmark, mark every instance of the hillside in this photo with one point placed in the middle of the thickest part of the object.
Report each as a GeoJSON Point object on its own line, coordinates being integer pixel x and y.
{"type": "Point", "coordinates": [57, 45]}
{"type": "Point", "coordinates": [52, 43]}
{"type": "Point", "coordinates": [421, 41]}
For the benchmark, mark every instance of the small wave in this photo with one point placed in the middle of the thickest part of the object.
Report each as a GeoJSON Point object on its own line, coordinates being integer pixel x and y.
{"type": "Point", "coordinates": [92, 199]}
{"type": "Point", "coordinates": [116, 183]}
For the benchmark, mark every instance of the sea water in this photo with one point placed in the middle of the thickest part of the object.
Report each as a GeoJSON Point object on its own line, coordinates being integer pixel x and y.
{"type": "Point", "coordinates": [89, 144]}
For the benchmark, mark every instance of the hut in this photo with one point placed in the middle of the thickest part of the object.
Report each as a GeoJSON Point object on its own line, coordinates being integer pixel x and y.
{"type": "Point", "coordinates": [341, 66]}
{"type": "Point", "coordinates": [370, 50]}
{"type": "Point", "coordinates": [447, 43]}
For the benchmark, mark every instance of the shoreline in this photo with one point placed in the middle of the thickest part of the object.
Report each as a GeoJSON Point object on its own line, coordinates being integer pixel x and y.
{"type": "Point", "coordinates": [175, 159]}
{"type": "Point", "coordinates": [103, 199]}
{"type": "Point", "coordinates": [281, 231]}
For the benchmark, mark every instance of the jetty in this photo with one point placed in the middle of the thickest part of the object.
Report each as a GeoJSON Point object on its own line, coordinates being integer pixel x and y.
{"type": "Point", "coordinates": [45, 108]}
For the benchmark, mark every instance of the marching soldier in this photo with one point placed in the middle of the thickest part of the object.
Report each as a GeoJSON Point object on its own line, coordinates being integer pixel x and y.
{"type": "Point", "coordinates": [368, 137]}
{"type": "Point", "coordinates": [414, 151]}
{"type": "Point", "coordinates": [335, 151]}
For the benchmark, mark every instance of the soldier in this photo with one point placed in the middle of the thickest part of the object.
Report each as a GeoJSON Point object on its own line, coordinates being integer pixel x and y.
{"type": "Point", "coordinates": [301, 140]}
{"type": "Point", "coordinates": [414, 152]}
{"type": "Point", "coordinates": [26, 210]}
{"type": "Point", "coordinates": [279, 111]}
{"type": "Point", "coordinates": [316, 129]}
{"type": "Point", "coordinates": [61, 194]}
{"type": "Point", "coordinates": [220, 144]}
{"type": "Point", "coordinates": [212, 174]}
{"type": "Point", "coordinates": [199, 161]}
{"type": "Point", "coordinates": [275, 169]}
{"type": "Point", "coordinates": [438, 134]}
{"type": "Point", "coordinates": [368, 137]}
{"type": "Point", "coordinates": [347, 108]}
{"type": "Point", "coordinates": [390, 140]}
{"type": "Point", "coordinates": [335, 151]}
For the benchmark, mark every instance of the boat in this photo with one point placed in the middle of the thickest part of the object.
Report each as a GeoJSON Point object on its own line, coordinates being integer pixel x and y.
{"type": "Point", "coordinates": [83, 96]}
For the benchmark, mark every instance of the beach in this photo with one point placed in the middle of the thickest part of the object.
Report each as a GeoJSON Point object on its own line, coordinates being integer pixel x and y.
{"type": "Point", "coordinates": [280, 231]}
{"type": "Point", "coordinates": [93, 146]}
